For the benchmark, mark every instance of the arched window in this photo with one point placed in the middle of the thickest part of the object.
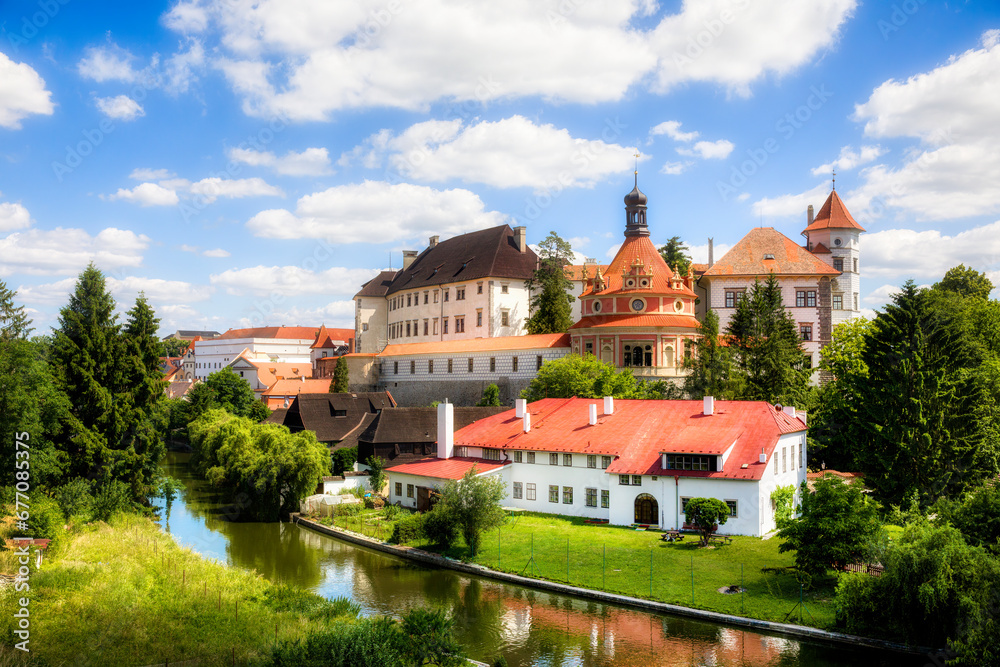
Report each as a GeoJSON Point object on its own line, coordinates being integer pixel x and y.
{"type": "Point", "coordinates": [647, 510]}
{"type": "Point", "coordinates": [637, 355]}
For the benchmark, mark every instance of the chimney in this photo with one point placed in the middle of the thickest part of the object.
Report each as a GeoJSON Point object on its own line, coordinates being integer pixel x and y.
{"type": "Point", "coordinates": [303, 378]}
{"type": "Point", "coordinates": [789, 410]}
{"type": "Point", "coordinates": [711, 253]}
{"type": "Point", "coordinates": [809, 215]}
{"type": "Point", "coordinates": [433, 241]}
{"type": "Point", "coordinates": [709, 405]}
{"type": "Point", "coordinates": [609, 405]}
{"type": "Point", "coordinates": [520, 238]}
{"type": "Point", "coordinates": [446, 430]}
{"type": "Point", "coordinates": [519, 405]}
{"type": "Point", "coordinates": [527, 421]}
{"type": "Point", "coordinates": [408, 257]}
{"type": "Point", "coordinates": [593, 413]}
{"type": "Point", "coordinates": [763, 456]}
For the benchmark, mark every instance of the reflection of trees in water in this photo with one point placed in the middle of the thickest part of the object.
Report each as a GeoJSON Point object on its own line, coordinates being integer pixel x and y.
{"type": "Point", "coordinates": [276, 550]}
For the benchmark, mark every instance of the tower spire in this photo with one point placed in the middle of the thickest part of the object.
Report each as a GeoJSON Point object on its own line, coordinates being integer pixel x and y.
{"type": "Point", "coordinates": [834, 178]}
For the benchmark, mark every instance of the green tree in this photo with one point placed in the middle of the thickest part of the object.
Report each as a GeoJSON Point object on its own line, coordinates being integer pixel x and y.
{"type": "Point", "coordinates": [230, 392]}
{"type": "Point", "coordinates": [675, 254]}
{"type": "Point", "coordinates": [836, 522]}
{"type": "Point", "coordinates": [376, 473]}
{"type": "Point", "coordinates": [473, 503]}
{"type": "Point", "coordinates": [551, 310]}
{"type": "Point", "coordinates": [341, 377]}
{"type": "Point", "coordinates": [588, 377]}
{"type": "Point", "coordinates": [765, 341]}
{"type": "Point", "coordinates": [14, 322]}
{"type": "Point", "coordinates": [976, 514]}
{"type": "Point", "coordinates": [965, 281]}
{"type": "Point", "coordinates": [711, 366]}
{"type": "Point", "coordinates": [172, 347]}
{"type": "Point", "coordinates": [491, 396]}
{"type": "Point", "coordinates": [344, 459]}
{"type": "Point", "coordinates": [170, 487]}
{"type": "Point", "coordinates": [706, 514]}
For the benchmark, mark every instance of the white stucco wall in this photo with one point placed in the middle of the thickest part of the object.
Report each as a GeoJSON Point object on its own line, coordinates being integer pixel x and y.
{"type": "Point", "coordinates": [213, 355]}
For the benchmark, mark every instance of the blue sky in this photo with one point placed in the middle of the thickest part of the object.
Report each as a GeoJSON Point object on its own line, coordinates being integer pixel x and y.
{"type": "Point", "coordinates": [248, 163]}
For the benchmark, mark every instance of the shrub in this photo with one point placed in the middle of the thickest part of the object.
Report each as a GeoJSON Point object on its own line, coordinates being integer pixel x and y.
{"type": "Point", "coordinates": [45, 520]}
{"type": "Point", "coordinates": [408, 529]}
{"type": "Point", "coordinates": [363, 643]}
{"type": "Point", "coordinates": [440, 528]}
{"type": "Point", "coordinates": [74, 497]}
{"type": "Point", "coordinates": [374, 502]}
{"type": "Point", "coordinates": [111, 499]}
{"type": "Point", "coordinates": [390, 512]}
{"type": "Point", "coordinates": [347, 509]}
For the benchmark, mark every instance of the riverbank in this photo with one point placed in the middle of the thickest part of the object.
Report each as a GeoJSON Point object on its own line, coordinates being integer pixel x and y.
{"type": "Point", "coordinates": [437, 560]}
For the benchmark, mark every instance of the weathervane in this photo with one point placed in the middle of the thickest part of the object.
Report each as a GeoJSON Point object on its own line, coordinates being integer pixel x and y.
{"type": "Point", "coordinates": [636, 156]}
{"type": "Point", "coordinates": [834, 177]}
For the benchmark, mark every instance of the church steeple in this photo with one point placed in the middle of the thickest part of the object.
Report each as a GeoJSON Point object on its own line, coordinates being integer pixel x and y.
{"type": "Point", "coordinates": [635, 211]}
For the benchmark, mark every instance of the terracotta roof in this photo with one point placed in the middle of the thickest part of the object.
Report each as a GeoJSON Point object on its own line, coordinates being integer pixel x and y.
{"type": "Point", "coordinates": [379, 285]}
{"type": "Point", "coordinates": [486, 253]}
{"type": "Point", "coordinates": [453, 468]}
{"type": "Point", "coordinates": [638, 320]}
{"type": "Point", "coordinates": [699, 269]}
{"type": "Point", "coordinates": [833, 215]}
{"type": "Point", "coordinates": [294, 387]}
{"type": "Point", "coordinates": [457, 347]}
{"type": "Point", "coordinates": [582, 271]}
{"type": "Point", "coordinates": [639, 431]}
{"type": "Point", "coordinates": [272, 332]}
{"type": "Point", "coordinates": [820, 249]}
{"type": "Point", "coordinates": [641, 248]}
{"type": "Point", "coordinates": [269, 372]}
{"type": "Point", "coordinates": [747, 257]}
{"type": "Point", "coordinates": [327, 338]}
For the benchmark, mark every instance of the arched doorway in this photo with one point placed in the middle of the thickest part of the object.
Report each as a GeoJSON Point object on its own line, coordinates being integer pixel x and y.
{"type": "Point", "coordinates": [646, 509]}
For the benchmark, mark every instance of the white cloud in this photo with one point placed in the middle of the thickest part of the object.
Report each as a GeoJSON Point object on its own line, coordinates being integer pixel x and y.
{"type": "Point", "coordinates": [786, 206]}
{"type": "Point", "coordinates": [179, 69]}
{"type": "Point", "coordinates": [699, 253]}
{"type": "Point", "coordinates": [310, 162]}
{"type": "Point", "coordinates": [672, 128]}
{"type": "Point", "coordinates": [291, 280]}
{"type": "Point", "coordinates": [67, 251]}
{"type": "Point", "coordinates": [217, 252]}
{"type": "Point", "coordinates": [157, 290]}
{"type": "Point", "coordinates": [512, 152]}
{"type": "Point", "coordinates": [13, 216]}
{"type": "Point", "coordinates": [673, 168]}
{"type": "Point", "coordinates": [107, 63]}
{"type": "Point", "coordinates": [144, 174]}
{"type": "Point", "coordinates": [146, 194]}
{"type": "Point", "coordinates": [376, 211]}
{"type": "Point", "coordinates": [334, 314]}
{"type": "Point", "coordinates": [48, 294]}
{"type": "Point", "coordinates": [121, 107]}
{"type": "Point", "coordinates": [849, 159]}
{"type": "Point", "coordinates": [22, 93]}
{"type": "Point", "coordinates": [210, 189]}
{"type": "Point", "coordinates": [709, 150]}
{"type": "Point", "coordinates": [928, 254]}
{"type": "Point", "coordinates": [186, 17]}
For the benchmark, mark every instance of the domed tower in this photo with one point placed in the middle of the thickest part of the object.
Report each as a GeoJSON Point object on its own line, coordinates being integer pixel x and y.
{"type": "Point", "coordinates": [638, 313]}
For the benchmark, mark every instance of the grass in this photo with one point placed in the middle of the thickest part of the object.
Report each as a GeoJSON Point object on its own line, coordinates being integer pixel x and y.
{"type": "Point", "coordinates": [127, 594]}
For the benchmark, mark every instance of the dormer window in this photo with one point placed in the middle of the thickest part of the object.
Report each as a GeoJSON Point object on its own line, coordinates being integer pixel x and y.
{"type": "Point", "coordinates": [768, 256]}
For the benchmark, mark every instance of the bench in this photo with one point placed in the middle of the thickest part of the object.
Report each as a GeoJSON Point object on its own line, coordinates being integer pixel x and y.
{"type": "Point", "coordinates": [671, 536]}
{"type": "Point", "coordinates": [725, 539]}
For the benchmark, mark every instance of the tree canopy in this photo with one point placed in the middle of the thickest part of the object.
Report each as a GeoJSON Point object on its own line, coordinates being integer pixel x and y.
{"type": "Point", "coordinates": [965, 281]}
{"type": "Point", "coordinates": [705, 514]}
{"type": "Point", "coordinates": [473, 503]}
{"type": "Point", "coordinates": [675, 254]}
{"type": "Point", "coordinates": [491, 396]}
{"type": "Point", "coordinates": [588, 377]}
{"type": "Point", "coordinates": [711, 371]}
{"type": "Point", "coordinates": [341, 377]}
{"type": "Point", "coordinates": [550, 307]}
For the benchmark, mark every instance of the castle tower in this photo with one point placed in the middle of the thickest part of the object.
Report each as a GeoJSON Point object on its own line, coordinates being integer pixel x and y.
{"type": "Point", "coordinates": [835, 237]}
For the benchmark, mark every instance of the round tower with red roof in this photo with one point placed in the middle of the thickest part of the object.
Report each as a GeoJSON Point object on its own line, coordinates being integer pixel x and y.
{"type": "Point", "coordinates": [834, 236]}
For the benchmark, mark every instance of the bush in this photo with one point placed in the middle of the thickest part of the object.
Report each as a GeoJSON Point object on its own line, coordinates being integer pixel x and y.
{"type": "Point", "coordinates": [367, 642]}
{"type": "Point", "coordinates": [45, 520]}
{"type": "Point", "coordinates": [408, 529]}
{"type": "Point", "coordinates": [374, 502]}
{"type": "Point", "coordinates": [347, 509]}
{"type": "Point", "coordinates": [114, 497]}
{"type": "Point", "coordinates": [440, 528]}
{"type": "Point", "coordinates": [390, 512]}
{"type": "Point", "coordinates": [74, 497]}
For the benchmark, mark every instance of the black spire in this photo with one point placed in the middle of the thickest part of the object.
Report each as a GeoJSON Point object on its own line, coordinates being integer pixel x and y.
{"type": "Point", "coordinates": [635, 211]}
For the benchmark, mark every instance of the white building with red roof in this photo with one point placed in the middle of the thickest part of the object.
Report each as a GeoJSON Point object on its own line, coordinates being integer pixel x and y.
{"type": "Point", "coordinates": [629, 462]}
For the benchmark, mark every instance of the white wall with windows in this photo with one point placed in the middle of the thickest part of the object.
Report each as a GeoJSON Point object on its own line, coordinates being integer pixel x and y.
{"type": "Point", "coordinates": [214, 355]}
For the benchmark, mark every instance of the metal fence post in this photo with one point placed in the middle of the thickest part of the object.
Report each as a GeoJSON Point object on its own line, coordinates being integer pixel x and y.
{"type": "Point", "coordinates": [651, 572]}
{"type": "Point", "coordinates": [742, 592]}
{"type": "Point", "coordinates": [567, 560]}
{"type": "Point", "coordinates": [692, 580]}
{"type": "Point", "coordinates": [604, 568]}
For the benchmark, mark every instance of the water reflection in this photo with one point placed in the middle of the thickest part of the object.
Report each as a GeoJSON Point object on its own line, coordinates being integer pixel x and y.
{"type": "Point", "coordinates": [528, 627]}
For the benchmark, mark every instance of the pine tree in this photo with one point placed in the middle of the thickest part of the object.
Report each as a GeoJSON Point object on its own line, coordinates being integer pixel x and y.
{"type": "Point", "coordinates": [14, 323]}
{"type": "Point", "coordinates": [711, 366]}
{"type": "Point", "coordinates": [341, 377]}
{"type": "Point", "coordinates": [675, 254]}
{"type": "Point", "coordinates": [550, 304]}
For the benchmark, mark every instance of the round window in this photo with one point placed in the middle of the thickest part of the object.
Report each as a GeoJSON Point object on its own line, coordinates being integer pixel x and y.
{"type": "Point", "coordinates": [678, 305]}
{"type": "Point", "coordinates": [644, 283]}
{"type": "Point", "coordinates": [597, 306]}
{"type": "Point", "coordinates": [837, 242]}
{"type": "Point", "coordinates": [638, 304]}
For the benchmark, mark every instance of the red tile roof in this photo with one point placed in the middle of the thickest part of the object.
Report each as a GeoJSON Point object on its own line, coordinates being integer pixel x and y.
{"type": "Point", "coordinates": [272, 332]}
{"type": "Point", "coordinates": [833, 215]}
{"type": "Point", "coordinates": [453, 468]}
{"type": "Point", "coordinates": [641, 248]}
{"type": "Point", "coordinates": [639, 431]}
{"type": "Point", "coordinates": [325, 337]}
{"type": "Point", "coordinates": [583, 271]}
{"type": "Point", "coordinates": [747, 258]}
{"type": "Point", "coordinates": [497, 344]}
{"type": "Point", "coordinates": [638, 320]}
{"type": "Point", "coordinates": [293, 387]}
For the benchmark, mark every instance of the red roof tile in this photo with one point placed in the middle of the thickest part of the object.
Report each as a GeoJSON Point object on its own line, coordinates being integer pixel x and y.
{"type": "Point", "coordinates": [833, 215]}
{"type": "Point", "coordinates": [747, 257]}
{"type": "Point", "coordinates": [641, 248]}
{"type": "Point", "coordinates": [293, 387]}
{"type": "Point", "coordinates": [497, 344]}
{"type": "Point", "coordinates": [326, 337]}
{"type": "Point", "coordinates": [582, 271]}
{"type": "Point", "coordinates": [272, 332]}
{"type": "Point", "coordinates": [453, 468]}
{"type": "Point", "coordinates": [638, 320]}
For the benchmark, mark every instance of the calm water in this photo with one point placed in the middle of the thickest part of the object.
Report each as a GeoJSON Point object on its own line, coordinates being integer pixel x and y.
{"type": "Point", "coordinates": [528, 627]}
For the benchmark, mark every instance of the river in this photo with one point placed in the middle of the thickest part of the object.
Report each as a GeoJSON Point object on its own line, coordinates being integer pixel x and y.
{"type": "Point", "coordinates": [528, 627]}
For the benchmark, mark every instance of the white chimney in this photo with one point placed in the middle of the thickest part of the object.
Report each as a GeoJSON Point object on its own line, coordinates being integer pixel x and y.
{"type": "Point", "coordinates": [711, 253]}
{"type": "Point", "coordinates": [527, 421]}
{"type": "Point", "coordinates": [789, 410]}
{"type": "Point", "coordinates": [763, 456]}
{"type": "Point", "coordinates": [520, 238]}
{"type": "Point", "coordinates": [709, 405]}
{"type": "Point", "coordinates": [519, 406]}
{"type": "Point", "coordinates": [609, 405]}
{"type": "Point", "coordinates": [433, 241]}
{"type": "Point", "coordinates": [593, 413]}
{"type": "Point", "coordinates": [408, 257]}
{"type": "Point", "coordinates": [446, 430]}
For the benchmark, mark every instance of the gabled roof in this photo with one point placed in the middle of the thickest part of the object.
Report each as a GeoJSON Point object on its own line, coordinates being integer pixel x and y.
{"type": "Point", "coordinates": [453, 468]}
{"type": "Point", "coordinates": [332, 338]}
{"type": "Point", "coordinates": [315, 412]}
{"type": "Point", "coordinates": [295, 387]}
{"type": "Point", "coordinates": [488, 253]}
{"type": "Point", "coordinates": [400, 425]}
{"type": "Point", "coordinates": [497, 344]}
{"type": "Point", "coordinates": [751, 257]}
{"type": "Point", "coordinates": [290, 333]}
{"type": "Point", "coordinates": [833, 215]}
{"type": "Point", "coordinates": [379, 285]}
{"type": "Point", "coordinates": [642, 249]}
{"type": "Point", "coordinates": [269, 372]}
{"type": "Point", "coordinates": [638, 432]}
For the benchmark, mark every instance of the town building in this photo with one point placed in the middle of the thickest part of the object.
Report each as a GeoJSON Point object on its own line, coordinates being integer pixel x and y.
{"type": "Point", "coordinates": [190, 334]}
{"type": "Point", "coordinates": [330, 344]}
{"type": "Point", "coordinates": [627, 462]}
{"type": "Point", "coordinates": [336, 419]}
{"type": "Point", "coordinates": [469, 286]}
{"type": "Point", "coordinates": [276, 344]}
{"type": "Point", "coordinates": [283, 392]}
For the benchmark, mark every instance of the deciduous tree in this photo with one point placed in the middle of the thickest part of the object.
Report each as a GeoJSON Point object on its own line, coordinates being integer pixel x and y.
{"type": "Point", "coordinates": [473, 502]}
{"type": "Point", "coordinates": [965, 281]}
{"type": "Point", "coordinates": [588, 377]}
{"type": "Point", "coordinates": [491, 396]}
{"type": "Point", "coordinates": [706, 514]}
{"type": "Point", "coordinates": [711, 366]}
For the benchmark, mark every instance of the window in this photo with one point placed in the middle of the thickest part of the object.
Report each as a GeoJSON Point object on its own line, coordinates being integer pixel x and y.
{"type": "Point", "coordinates": [426, 325]}
{"type": "Point", "coordinates": [684, 502]}
{"type": "Point", "coordinates": [470, 364]}
{"type": "Point", "coordinates": [732, 509]}
{"type": "Point", "coordinates": [567, 459]}
{"type": "Point", "coordinates": [399, 488]}
{"type": "Point", "coordinates": [800, 455]}
{"type": "Point", "coordinates": [339, 413]}
{"type": "Point", "coordinates": [784, 459]}
{"type": "Point", "coordinates": [605, 462]}
{"type": "Point", "coordinates": [504, 288]}
{"type": "Point", "coordinates": [426, 295]}
{"type": "Point", "coordinates": [775, 456]}
{"type": "Point", "coordinates": [733, 297]}
{"type": "Point", "coordinates": [504, 318]}
{"type": "Point", "coordinates": [395, 368]}
{"type": "Point", "coordinates": [623, 480]}
{"type": "Point", "coordinates": [444, 325]}
{"type": "Point", "coordinates": [636, 480]}
{"type": "Point", "coordinates": [531, 457]}
{"type": "Point", "coordinates": [518, 455]}
{"type": "Point", "coordinates": [364, 326]}
{"type": "Point", "coordinates": [479, 288]}
{"type": "Point", "coordinates": [491, 454]}
{"type": "Point", "coordinates": [518, 491]}
{"type": "Point", "coordinates": [407, 329]}
{"type": "Point", "coordinates": [413, 367]}
{"type": "Point", "coordinates": [459, 294]}
{"type": "Point", "coordinates": [805, 298]}
{"type": "Point", "coordinates": [460, 324]}
{"type": "Point", "coordinates": [435, 296]}
{"type": "Point", "coordinates": [447, 293]}
{"type": "Point", "coordinates": [430, 366]}
{"type": "Point", "coordinates": [688, 462]}
{"type": "Point", "coordinates": [408, 300]}
{"type": "Point", "coordinates": [531, 491]}
{"type": "Point", "coordinates": [435, 326]}
{"type": "Point", "coordinates": [513, 365]}
{"type": "Point", "coordinates": [591, 497]}
{"type": "Point", "coordinates": [588, 347]}
{"type": "Point", "coordinates": [538, 362]}
{"type": "Point", "coordinates": [838, 263]}
{"type": "Point", "coordinates": [605, 498]}
{"type": "Point", "coordinates": [591, 461]}
{"type": "Point", "coordinates": [553, 493]}
{"type": "Point", "coordinates": [567, 495]}
{"type": "Point", "coordinates": [450, 365]}
{"type": "Point", "coordinates": [806, 331]}
{"type": "Point", "coordinates": [855, 265]}
{"type": "Point", "coordinates": [409, 490]}
{"type": "Point", "coordinates": [838, 301]}
{"type": "Point", "coordinates": [553, 459]}
{"type": "Point", "coordinates": [479, 318]}
{"type": "Point", "coordinates": [855, 301]}
{"type": "Point", "coordinates": [493, 364]}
